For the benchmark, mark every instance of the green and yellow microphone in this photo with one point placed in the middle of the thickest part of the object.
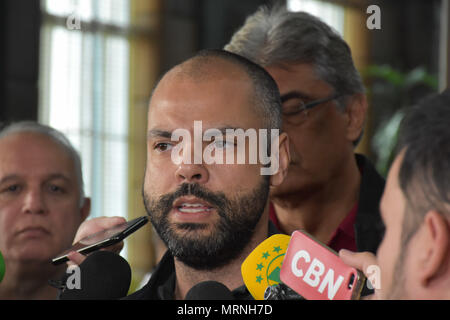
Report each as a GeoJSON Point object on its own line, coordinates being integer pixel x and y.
{"type": "Point", "coordinates": [2, 267]}
{"type": "Point", "coordinates": [261, 269]}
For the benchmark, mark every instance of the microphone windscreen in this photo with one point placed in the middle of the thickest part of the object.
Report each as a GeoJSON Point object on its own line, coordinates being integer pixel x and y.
{"type": "Point", "coordinates": [104, 276]}
{"type": "Point", "coordinates": [262, 266]}
{"type": "Point", "coordinates": [2, 267]}
{"type": "Point", "coordinates": [209, 290]}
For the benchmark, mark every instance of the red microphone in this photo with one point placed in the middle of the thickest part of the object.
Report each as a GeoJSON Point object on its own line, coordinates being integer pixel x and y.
{"type": "Point", "coordinates": [316, 272]}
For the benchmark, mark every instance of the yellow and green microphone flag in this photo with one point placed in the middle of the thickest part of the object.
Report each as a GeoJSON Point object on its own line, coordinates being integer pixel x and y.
{"type": "Point", "coordinates": [2, 267]}
{"type": "Point", "coordinates": [262, 267]}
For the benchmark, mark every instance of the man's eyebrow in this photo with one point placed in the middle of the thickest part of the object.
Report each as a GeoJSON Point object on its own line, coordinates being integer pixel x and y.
{"type": "Point", "coordinates": [51, 176]}
{"type": "Point", "coordinates": [223, 130]}
{"type": "Point", "coordinates": [55, 176]}
{"type": "Point", "coordinates": [294, 95]}
{"type": "Point", "coordinates": [157, 133]}
{"type": "Point", "coordinates": [9, 178]}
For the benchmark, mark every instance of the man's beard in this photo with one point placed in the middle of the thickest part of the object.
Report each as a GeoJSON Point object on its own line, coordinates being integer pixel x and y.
{"type": "Point", "coordinates": [397, 290]}
{"type": "Point", "coordinates": [227, 239]}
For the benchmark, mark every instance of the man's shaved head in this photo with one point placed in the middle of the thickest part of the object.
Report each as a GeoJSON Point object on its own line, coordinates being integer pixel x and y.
{"type": "Point", "coordinates": [208, 64]}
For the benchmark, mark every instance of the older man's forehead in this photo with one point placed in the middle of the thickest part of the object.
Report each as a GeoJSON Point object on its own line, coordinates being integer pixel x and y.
{"type": "Point", "coordinates": [28, 145]}
{"type": "Point", "coordinates": [26, 152]}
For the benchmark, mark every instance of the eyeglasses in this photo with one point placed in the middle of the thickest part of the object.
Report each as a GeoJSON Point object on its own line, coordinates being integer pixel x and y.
{"type": "Point", "coordinates": [298, 113]}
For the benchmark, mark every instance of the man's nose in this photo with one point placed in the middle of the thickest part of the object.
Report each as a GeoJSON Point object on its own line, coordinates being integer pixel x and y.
{"type": "Point", "coordinates": [34, 202]}
{"type": "Point", "coordinates": [191, 168]}
{"type": "Point", "coordinates": [192, 173]}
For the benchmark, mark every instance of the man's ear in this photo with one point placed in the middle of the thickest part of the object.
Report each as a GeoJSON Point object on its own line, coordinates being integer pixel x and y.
{"type": "Point", "coordinates": [356, 111]}
{"type": "Point", "coordinates": [284, 158]}
{"type": "Point", "coordinates": [436, 247]}
{"type": "Point", "coordinates": [85, 209]}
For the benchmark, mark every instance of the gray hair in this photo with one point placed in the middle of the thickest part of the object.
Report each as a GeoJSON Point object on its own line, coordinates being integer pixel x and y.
{"type": "Point", "coordinates": [275, 36]}
{"type": "Point", "coordinates": [56, 136]}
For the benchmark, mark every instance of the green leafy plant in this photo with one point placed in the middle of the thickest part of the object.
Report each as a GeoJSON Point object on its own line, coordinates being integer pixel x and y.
{"type": "Point", "coordinates": [392, 92]}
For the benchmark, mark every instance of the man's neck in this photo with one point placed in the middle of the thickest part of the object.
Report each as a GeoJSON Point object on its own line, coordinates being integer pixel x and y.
{"type": "Point", "coordinates": [321, 211]}
{"type": "Point", "coordinates": [28, 281]}
{"type": "Point", "coordinates": [229, 275]}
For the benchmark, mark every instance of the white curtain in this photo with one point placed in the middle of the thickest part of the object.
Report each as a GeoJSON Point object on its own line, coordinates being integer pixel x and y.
{"type": "Point", "coordinates": [84, 91]}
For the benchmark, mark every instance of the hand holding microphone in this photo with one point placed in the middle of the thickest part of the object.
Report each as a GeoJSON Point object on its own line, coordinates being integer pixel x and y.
{"type": "Point", "coordinates": [367, 262]}
{"type": "Point", "coordinates": [316, 272]}
{"type": "Point", "coordinates": [299, 267]}
{"type": "Point", "coordinates": [90, 227]}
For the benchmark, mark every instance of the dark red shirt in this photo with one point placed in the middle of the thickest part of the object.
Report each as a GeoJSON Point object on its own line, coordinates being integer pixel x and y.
{"type": "Point", "coordinates": [343, 237]}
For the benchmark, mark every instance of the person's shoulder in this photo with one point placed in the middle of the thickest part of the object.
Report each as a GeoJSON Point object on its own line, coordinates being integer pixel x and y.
{"type": "Point", "coordinates": [370, 178]}
{"type": "Point", "coordinates": [369, 226]}
{"type": "Point", "coordinates": [142, 294]}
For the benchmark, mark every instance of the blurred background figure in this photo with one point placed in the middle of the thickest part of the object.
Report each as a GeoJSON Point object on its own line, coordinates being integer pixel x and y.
{"type": "Point", "coordinates": [85, 68]}
{"type": "Point", "coordinates": [42, 204]}
{"type": "Point", "coordinates": [330, 192]}
{"type": "Point", "coordinates": [413, 258]}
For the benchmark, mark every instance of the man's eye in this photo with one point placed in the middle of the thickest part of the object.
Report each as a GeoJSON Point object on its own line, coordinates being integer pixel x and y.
{"type": "Point", "coordinates": [222, 144]}
{"type": "Point", "coordinates": [55, 189]}
{"type": "Point", "coordinates": [293, 109]}
{"type": "Point", "coordinates": [163, 146]}
{"type": "Point", "coordinates": [13, 188]}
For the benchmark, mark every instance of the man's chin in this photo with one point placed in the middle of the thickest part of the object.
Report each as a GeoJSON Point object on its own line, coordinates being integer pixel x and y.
{"type": "Point", "coordinates": [287, 188]}
{"type": "Point", "coordinates": [197, 246]}
{"type": "Point", "coordinates": [192, 231]}
{"type": "Point", "coordinates": [295, 185]}
{"type": "Point", "coordinates": [34, 257]}
{"type": "Point", "coordinates": [185, 227]}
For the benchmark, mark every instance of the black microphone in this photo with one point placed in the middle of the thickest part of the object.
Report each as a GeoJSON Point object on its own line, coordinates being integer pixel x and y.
{"type": "Point", "coordinates": [104, 276]}
{"type": "Point", "coordinates": [209, 290]}
{"type": "Point", "coordinates": [281, 291]}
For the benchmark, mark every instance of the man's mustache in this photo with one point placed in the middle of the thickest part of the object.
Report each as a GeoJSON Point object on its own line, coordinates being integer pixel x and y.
{"type": "Point", "coordinates": [217, 200]}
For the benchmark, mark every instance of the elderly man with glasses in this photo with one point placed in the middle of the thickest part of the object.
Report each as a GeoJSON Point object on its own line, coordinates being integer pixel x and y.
{"type": "Point", "coordinates": [330, 191]}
